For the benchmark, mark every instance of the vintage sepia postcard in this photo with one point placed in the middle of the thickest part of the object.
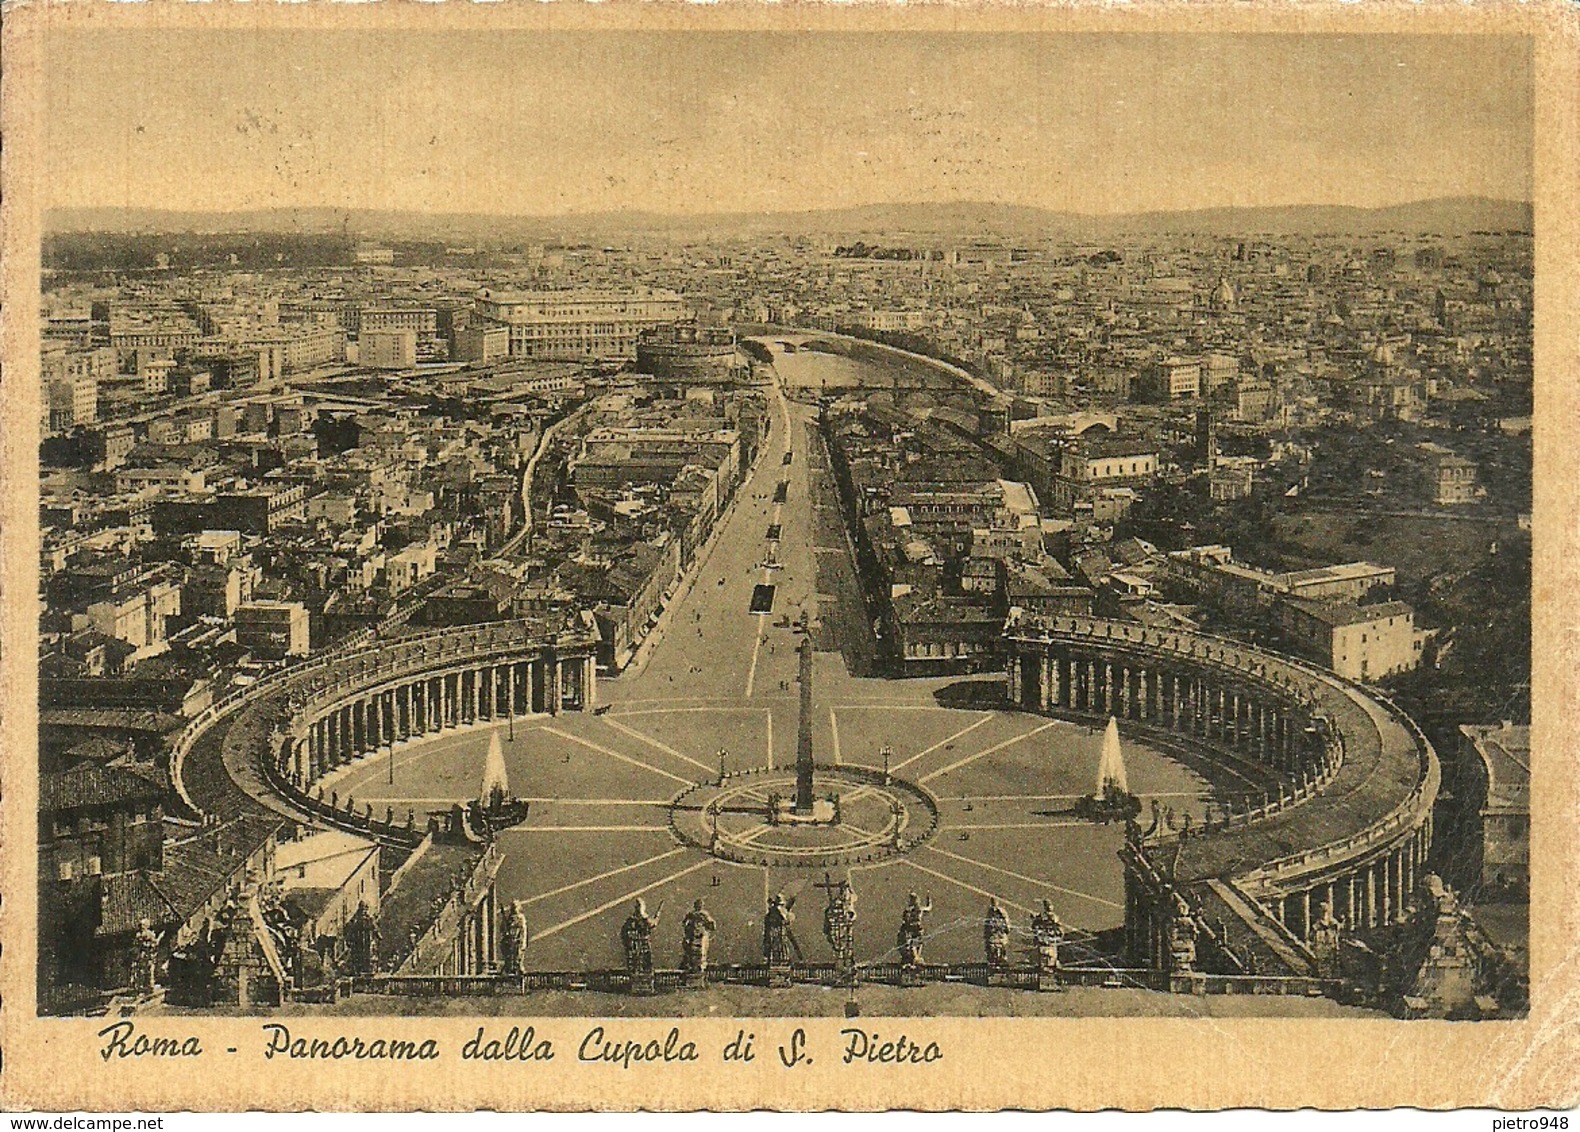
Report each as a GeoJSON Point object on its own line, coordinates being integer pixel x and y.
{"type": "Point", "coordinates": [684, 557]}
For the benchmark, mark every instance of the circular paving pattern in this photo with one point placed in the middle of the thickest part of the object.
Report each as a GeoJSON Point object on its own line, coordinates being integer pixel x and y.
{"type": "Point", "coordinates": [620, 811]}
{"type": "Point", "coordinates": [859, 816]}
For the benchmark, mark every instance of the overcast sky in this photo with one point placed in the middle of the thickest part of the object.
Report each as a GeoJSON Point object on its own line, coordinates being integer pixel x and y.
{"type": "Point", "coordinates": [534, 123]}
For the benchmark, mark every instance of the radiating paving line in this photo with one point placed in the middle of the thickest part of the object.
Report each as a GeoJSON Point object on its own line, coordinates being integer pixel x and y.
{"type": "Point", "coordinates": [956, 765]}
{"type": "Point", "coordinates": [833, 721]}
{"type": "Point", "coordinates": [614, 754]}
{"type": "Point", "coordinates": [654, 743]}
{"type": "Point", "coordinates": [603, 876]}
{"type": "Point", "coordinates": [748, 838]}
{"type": "Point", "coordinates": [1027, 879]}
{"type": "Point", "coordinates": [434, 744]}
{"type": "Point", "coordinates": [964, 731]}
{"type": "Point", "coordinates": [968, 887]}
{"type": "Point", "coordinates": [619, 900]}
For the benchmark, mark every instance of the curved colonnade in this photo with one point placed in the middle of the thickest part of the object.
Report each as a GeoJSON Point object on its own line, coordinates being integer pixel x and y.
{"type": "Point", "coordinates": [486, 674]}
{"type": "Point", "coordinates": [321, 715]}
{"type": "Point", "coordinates": [1339, 843]}
{"type": "Point", "coordinates": [268, 747]}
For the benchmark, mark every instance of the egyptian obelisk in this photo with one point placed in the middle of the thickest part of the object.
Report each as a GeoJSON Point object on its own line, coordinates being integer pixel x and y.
{"type": "Point", "coordinates": [803, 745]}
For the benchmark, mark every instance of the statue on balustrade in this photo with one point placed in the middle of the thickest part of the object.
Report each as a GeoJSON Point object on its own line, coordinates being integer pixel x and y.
{"type": "Point", "coordinates": [995, 937]}
{"type": "Point", "coordinates": [912, 930]}
{"type": "Point", "coordinates": [839, 923]}
{"type": "Point", "coordinates": [696, 932]}
{"type": "Point", "coordinates": [636, 936]}
{"type": "Point", "coordinates": [362, 942]}
{"type": "Point", "coordinates": [312, 973]}
{"type": "Point", "coordinates": [1326, 935]}
{"type": "Point", "coordinates": [778, 937]}
{"type": "Point", "coordinates": [513, 946]}
{"type": "Point", "coordinates": [1046, 934]}
{"type": "Point", "coordinates": [145, 970]}
{"type": "Point", "coordinates": [1183, 930]}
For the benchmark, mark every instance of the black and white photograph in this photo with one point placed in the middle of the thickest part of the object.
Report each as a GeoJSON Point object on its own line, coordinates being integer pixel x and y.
{"type": "Point", "coordinates": [898, 523]}
{"type": "Point", "coordinates": [1139, 598]}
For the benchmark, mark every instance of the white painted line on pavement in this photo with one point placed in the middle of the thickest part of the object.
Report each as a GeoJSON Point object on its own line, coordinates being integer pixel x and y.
{"type": "Point", "coordinates": [1030, 880]}
{"type": "Point", "coordinates": [991, 750]}
{"type": "Point", "coordinates": [943, 742]}
{"type": "Point", "coordinates": [603, 876]}
{"type": "Point", "coordinates": [654, 743]}
{"type": "Point", "coordinates": [614, 754]}
{"type": "Point", "coordinates": [618, 900]}
{"type": "Point", "coordinates": [968, 887]}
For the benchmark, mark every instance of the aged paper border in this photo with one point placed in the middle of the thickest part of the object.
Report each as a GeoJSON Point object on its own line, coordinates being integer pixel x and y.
{"type": "Point", "coordinates": [1024, 1063]}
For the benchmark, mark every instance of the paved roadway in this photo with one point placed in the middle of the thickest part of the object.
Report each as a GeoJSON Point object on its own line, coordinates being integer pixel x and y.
{"type": "Point", "coordinates": [712, 648]}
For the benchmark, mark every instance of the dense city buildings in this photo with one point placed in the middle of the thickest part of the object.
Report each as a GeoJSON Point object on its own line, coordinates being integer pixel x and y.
{"type": "Point", "coordinates": [578, 323]}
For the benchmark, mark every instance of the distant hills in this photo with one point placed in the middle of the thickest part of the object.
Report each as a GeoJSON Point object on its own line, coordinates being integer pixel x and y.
{"type": "Point", "coordinates": [1446, 216]}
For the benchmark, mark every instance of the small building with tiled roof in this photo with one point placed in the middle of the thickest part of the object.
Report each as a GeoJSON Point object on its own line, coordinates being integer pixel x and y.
{"type": "Point", "coordinates": [1359, 642]}
{"type": "Point", "coordinates": [100, 819]}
